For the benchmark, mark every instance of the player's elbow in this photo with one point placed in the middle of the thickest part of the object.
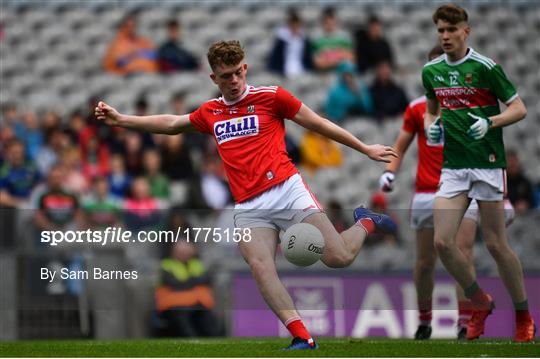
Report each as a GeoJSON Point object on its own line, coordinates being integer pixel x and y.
{"type": "Point", "coordinates": [522, 112]}
{"type": "Point", "coordinates": [519, 109]}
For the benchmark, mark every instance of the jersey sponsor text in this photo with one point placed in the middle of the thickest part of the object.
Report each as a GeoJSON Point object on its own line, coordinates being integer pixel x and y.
{"type": "Point", "coordinates": [236, 128]}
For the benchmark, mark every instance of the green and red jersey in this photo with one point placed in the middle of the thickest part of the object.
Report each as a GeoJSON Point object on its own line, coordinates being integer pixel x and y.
{"type": "Point", "coordinates": [474, 84]}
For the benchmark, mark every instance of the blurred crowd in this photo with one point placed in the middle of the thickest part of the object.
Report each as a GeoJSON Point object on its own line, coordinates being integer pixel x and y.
{"type": "Point", "coordinates": [75, 169]}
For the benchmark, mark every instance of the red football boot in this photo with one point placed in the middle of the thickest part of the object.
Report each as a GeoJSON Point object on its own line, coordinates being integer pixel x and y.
{"type": "Point", "coordinates": [525, 331]}
{"type": "Point", "coordinates": [478, 318]}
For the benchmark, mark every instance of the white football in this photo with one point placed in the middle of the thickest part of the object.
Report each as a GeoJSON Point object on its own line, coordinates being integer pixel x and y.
{"type": "Point", "coordinates": [302, 244]}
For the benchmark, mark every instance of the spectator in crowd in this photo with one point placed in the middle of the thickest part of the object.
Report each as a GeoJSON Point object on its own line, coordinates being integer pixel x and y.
{"type": "Point", "coordinates": [173, 152]}
{"type": "Point", "coordinates": [18, 176]}
{"type": "Point", "coordinates": [159, 183]}
{"type": "Point", "coordinates": [184, 297]}
{"type": "Point", "coordinates": [132, 152]}
{"type": "Point", "coordinates": [10, 114]}
{"type": "Point", "coordinates": [371, 46]}
{"type": "Point", "coordinates": [208, 188]}
{"type": "Point", "coordinates": [101, 210]}
{"type": "Point", "coordinates": [194, 140]}
{"type": "Point", "coordinates": [141, 109]}
{"type": "Point", "coordinates": [331, 45]}
{"type": "Point", "coordinates": [520, 188]}
{"type": "Point", "coordinates": [119, 180]}
{"type": "Point", "coordinates": [31, 134]}
{"type": "Point", "coordinates": [75, 126]}
{"type": "Point", "coordinates": [130, 53]}
{"type": "Point", "coordinates": [349, 96]}
{"type": "Point", "coordinates": [214, 189]}
{"type": "Point", "coordinates": [141, 209]}
{"type": "Point", "coordinates": [7, 134]}
{"type": "Point", "coordinates": [51, 121]}
{"type": "Point", "coordinates": [57, 208]}
{"type": "Point", "coordinates": [317, 151]}
{"type": "Point", "coordinates": [56, 142]}
{"type": "Point", "coordinates": [95, 158]}
{"type": "Point", "coordinates": [10, 121]}
{"type": "Point", "coordinates": [292, 149]}
{"type": "Point", "coordinates": [172, 56]}
{"type": "Point", "coordinates": [291, 54]}
{"type": "Point", "coordinates": [94, 143]}
{"type": "Point", "coordinates": [178, 103]}
{"type": "Point", "coordinates": [389, 99]}
{"type": "Point", "coordinates": [74, 179]}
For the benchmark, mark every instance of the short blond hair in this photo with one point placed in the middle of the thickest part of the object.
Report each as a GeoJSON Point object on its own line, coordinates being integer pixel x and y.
{"type": "Point", "coordinates": [225, 53]}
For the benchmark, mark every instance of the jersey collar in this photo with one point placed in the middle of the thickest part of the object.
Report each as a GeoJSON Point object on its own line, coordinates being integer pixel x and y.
{"type": "Point", "coordinates": [230, 103]}
{"type": "Point", "coordinates": [470, 50]}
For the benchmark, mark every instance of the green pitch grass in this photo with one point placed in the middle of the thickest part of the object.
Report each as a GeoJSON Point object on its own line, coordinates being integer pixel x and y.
{"type": "Point", "coordinates": [271, 347]}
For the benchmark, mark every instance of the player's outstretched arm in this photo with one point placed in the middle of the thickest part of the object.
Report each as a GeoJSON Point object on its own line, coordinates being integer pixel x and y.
{"type": "Point", "coordinates": [165, 124]}
{"type": "Point", "coordinates": [307, 118]}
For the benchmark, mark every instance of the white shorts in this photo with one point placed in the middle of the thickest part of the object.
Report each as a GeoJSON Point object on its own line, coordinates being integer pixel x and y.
{"type": "Point", "coordinates": [279, 207]}
{"type": "Point", "coordinates": [483, 184]}
{"type": "Point", "coordinates": [421, 211]}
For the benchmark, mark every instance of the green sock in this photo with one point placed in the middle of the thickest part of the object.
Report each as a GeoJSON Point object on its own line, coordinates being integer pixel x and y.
{"type": "Point", "coordinates": [471, 291]}
{"type": "Point", "coordinates": [522, 305]}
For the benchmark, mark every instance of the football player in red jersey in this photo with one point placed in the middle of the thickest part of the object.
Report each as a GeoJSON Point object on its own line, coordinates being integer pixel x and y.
{"type": "Point", "coordinates": [247, 124]}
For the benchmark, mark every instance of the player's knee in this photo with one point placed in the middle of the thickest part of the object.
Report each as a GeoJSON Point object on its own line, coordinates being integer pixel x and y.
{"type": "Point", "coordinates": [443, 247]}
{"type": "Point", "coordinates": [338, 260]}
{"type": "Point", "coordinates": [468, 254]}
{"type": "Point", "coordinates": [497, 250]}
{"type": "Point", "coordinates": [260, 267]}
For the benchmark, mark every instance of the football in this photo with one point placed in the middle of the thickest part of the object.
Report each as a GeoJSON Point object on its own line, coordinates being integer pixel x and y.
{"type": "Point", "coordinates": [302, 244]}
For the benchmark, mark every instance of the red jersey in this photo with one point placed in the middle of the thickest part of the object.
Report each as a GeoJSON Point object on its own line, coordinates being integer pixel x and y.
{"type": "Point", "coordinates": [430, 157]}
{"type": "Point", "coordinates": [250, 137]}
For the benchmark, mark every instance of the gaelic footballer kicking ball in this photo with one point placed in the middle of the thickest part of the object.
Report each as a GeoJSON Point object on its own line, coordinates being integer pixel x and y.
{"type": "Point", "coordinates": [302, 244]}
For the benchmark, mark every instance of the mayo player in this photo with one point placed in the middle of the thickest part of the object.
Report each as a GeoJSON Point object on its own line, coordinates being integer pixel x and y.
{"type": "Point", "coordinates": [466, 87]}
{"type": "Point", "coordinates": [430, 158]}
{"type": "Point", "coordinates": [247, 124]}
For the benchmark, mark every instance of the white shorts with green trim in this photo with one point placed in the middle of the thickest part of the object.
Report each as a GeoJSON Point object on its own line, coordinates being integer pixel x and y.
{"type": "Point", "coordinates": [483, 184]}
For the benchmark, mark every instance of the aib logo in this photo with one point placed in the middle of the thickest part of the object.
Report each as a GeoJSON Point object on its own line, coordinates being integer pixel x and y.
{"type": "Point", "coordinates": [236, 128]}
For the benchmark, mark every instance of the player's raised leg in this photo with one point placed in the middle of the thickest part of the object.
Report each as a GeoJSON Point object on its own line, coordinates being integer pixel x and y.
{"type": "Point", "coordinates": [465, 241]}
{"type": "Point", "coordinates": [508, 264]}
{"type": "Point", "coordinates": [259, 253]}
{"type": "Point", "coordinates": [424, 280]}
{"type": "Point", "coordinates": [342, 248]}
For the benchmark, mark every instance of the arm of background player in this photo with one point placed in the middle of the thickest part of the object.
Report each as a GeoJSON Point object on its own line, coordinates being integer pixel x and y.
{"type": "Point", "coordinates": [432, 111]}
{"type": "Point", "coordinates": [307, 118]}
{"type": "Point", "coordinates": [165, 124]}
{"type": "Point", "coordinates": [515, 112]}
{"type": "Point", "coordinates": [402, 144]}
